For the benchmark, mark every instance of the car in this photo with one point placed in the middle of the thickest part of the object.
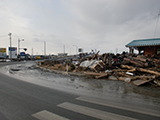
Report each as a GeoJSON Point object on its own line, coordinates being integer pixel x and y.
{"type": "Point", "coordinates": [8, 60]}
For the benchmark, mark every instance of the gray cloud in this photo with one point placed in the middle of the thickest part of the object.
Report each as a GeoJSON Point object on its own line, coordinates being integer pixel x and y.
{"type": "Point", "coordinates": [37, 40]}
{"type": "Point", "coordinates": [91, 24]}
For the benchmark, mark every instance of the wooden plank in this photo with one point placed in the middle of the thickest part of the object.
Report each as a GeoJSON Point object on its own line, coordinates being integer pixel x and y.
{"type": "Point", "coordinates": [97, 68]}
{"type": "Point", "coordinates": [94, 74]}
{"type": "Point", "coordinates": [148, 71]}
{"type": "Point", "coordinates": [95, 55]}
{"type": "Point", "coordinates": [143, 77]}
{"type": "Point", "coordinates": [105, 57]}
{"type": "Point", "coordinates": [102, 64]}
{"type": "Point", "coordinates": [140, 59]}
{"type": "Point", "coordinates": [133, 70]}
{"type": "Point", "coordinates": [141, 56]}
{"type": "Point", "coordinates": [139, 64]}
{"type": "Point", "coordinates": [128, 67]}
{"type": "Point", "coordinates": [101, 76]}
{"type": "Point", "coordinates": [140, 82]}
{"type": "Point", "coordinates": [122, 78]}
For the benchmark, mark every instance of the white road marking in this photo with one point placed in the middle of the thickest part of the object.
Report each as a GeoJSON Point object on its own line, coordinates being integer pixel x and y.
{"type": "Point", "coordinates": [46, 115]}
{"type": "Point", "coordinates": [93, 112]}
{"type": "Point", "coordinates": [123, 107]}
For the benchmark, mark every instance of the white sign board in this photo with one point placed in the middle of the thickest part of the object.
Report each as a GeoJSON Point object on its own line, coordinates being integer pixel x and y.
{"type": "Point", "coordinates": [3, 53]}
{"type": "Point", "coordinates": [12, 52]}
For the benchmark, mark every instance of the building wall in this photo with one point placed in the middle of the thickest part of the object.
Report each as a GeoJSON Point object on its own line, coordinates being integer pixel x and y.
{"type": "Point", "coordinates": [151, 50]}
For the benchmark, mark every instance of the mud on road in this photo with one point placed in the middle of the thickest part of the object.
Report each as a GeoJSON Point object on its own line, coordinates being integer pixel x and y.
{"type": "Point", "coordinates": [102, 88]}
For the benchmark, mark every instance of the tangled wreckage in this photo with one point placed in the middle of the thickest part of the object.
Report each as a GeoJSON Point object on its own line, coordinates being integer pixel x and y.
{"type": "Point", "coordinates": [134, 69]}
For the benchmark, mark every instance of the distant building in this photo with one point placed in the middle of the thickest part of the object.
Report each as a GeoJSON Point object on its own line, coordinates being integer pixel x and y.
{"type": "Point", "coordinates": [62, 54]}
{"type": "Point", "coordinates": [80, 50]}
{"type": "Point", "coordinates": [147, 46]}
{"type": "Point", "coordinates": [3, 54]}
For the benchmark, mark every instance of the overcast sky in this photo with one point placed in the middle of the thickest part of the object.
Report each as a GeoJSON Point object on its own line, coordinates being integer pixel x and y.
{"type": "Point", "coordinates": [104, 25]}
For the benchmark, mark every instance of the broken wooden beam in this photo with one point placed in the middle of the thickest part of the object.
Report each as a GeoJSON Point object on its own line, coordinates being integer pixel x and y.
{"type": "Point", "coordinates": [143, 77]}
{"type": "Point", "coordinates": [104, 58]}
{"type": "Point", "coordinates": [97, 68]}
{"type": "Point", "coordinates": [148, 71]}
{"type": "Point", "coordinates": [94, 74]}
{"type": "Point", "coordinates": [157, 82]}
{"type": "Point", "coordinates": [132, 70]}
{"type": "Point", "coordinates": [102, 76]}
{"type": "Point", "coordinates": [140, 82]}
{"type": "Point", "coordinates": [128, 67]}
{"type": "Point", "coordinates": [95, 55]}
{"type": "Point", "coordinates": [138, 64]}
{"type": "Point", "coordinates": [140, 59]}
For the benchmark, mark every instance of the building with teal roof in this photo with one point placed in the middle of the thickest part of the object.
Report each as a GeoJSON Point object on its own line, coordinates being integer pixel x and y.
{"type": "Point", "coordinates": [147, 46]}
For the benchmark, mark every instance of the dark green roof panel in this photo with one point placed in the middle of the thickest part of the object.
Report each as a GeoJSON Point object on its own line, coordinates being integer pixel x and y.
{"type": "Point", "coordinates": [144, 42]}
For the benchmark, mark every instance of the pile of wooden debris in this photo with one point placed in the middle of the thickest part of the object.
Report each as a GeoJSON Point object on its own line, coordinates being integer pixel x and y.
{"type": "Point", "coordinates": [134, 69]}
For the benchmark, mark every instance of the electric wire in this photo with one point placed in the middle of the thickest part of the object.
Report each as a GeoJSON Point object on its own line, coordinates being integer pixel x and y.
{"type": "Point", "coordinates": [3, 36]}
{"type": "Point", "coordinates": [13, 9]}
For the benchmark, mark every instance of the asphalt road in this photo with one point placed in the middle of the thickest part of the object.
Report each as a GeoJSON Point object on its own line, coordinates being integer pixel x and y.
{"type": "Point", "coordinates": [21, 100]}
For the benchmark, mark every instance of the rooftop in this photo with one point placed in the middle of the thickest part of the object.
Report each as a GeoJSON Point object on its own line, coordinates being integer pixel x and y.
{"type": "Point", "coordinates": [144, 42]}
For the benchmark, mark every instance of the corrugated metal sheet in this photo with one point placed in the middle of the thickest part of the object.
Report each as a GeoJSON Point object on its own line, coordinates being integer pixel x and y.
{"type": "Point", "coordinates": [144, 42]}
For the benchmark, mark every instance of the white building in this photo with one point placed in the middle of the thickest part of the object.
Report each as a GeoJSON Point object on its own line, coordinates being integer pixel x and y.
{"type": "Point", "coordinates": [12, 52]}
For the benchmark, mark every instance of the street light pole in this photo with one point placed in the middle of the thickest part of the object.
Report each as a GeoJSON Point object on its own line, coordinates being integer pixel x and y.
{"type": "Point", "coordinates": [10, 45]}
{"type": "Point", "coordinates": [70, 50]}
{"type": "Point", "coordinates": [45, 48]}
{"type": "Point", "coordinates": [19, 45]}
{"type": "Point", "coordinates": [76, 48]}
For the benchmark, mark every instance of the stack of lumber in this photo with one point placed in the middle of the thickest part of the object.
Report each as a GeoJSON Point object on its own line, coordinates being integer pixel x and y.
{"type": "Point", "coordinates": [137, 70]}
{"type": "Point", "coordinates": [134, 69]}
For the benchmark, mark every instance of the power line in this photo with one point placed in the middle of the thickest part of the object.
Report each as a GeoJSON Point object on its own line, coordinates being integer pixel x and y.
{"type": "Point", "coordinates": [13, 9]}
{"type": "Point", "coordinates": [3, 36]}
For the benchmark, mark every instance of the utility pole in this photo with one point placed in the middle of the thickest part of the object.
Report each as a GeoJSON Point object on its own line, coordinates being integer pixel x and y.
{"type": "Point", "coordinates": [44, 47]}
{"type": "Point", "coordinates": [76, 48]}
{"type": "Point", "coordinates": [19, 45]}
{"type": "Point", "coordinates": [116, 50]}
{"type": "Point", "coordinates": [64, 49]}
{"type": "Point", "coordinates": [10, 45]}
{"type": "Point", "coordinates": [32, 51]}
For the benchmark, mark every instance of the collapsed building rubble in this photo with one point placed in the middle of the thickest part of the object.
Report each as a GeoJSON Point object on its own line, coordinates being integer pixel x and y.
{"type": "Point", "coordinates": [134, 69]}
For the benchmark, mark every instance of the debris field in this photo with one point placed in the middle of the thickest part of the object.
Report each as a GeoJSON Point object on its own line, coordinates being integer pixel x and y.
{"type": "Point", "coordinates": [134, 69]}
